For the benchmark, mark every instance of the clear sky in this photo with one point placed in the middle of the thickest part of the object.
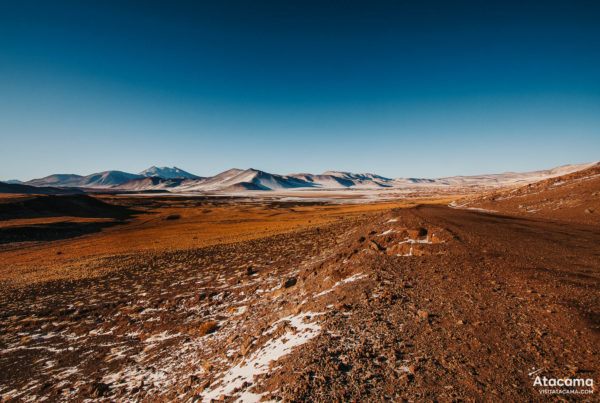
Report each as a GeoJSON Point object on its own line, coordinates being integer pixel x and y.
{"type": "Point", "coordinates": [398, 88]}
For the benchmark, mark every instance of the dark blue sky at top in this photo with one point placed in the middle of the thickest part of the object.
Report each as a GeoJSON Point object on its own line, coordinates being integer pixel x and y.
{"type": "Point", "coordinates": [400, 88]}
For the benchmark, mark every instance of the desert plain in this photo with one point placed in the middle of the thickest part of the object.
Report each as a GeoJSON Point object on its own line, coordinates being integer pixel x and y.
{"type": "Point", "coordinates": [444, 296]}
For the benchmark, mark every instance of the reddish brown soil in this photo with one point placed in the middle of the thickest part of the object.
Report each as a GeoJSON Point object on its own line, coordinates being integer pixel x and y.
{"type": "Point", "coordinates": [574, 198]}
{"type": "Point", "coordinates": [423, 304]}
{"type": "Point", "coordinates": [46, 238]}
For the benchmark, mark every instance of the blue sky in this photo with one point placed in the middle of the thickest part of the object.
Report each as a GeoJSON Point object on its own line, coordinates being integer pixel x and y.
{"type": "Point", "coordinates": [398, 88]}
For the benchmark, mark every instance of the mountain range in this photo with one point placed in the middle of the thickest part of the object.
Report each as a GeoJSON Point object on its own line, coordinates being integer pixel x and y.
{"type": "Point", "coordinates": [238, 180]}
{"type": "Point", "coordinates": [108, 179]}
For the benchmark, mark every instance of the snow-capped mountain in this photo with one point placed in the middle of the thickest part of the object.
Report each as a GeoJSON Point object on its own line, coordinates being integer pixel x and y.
{"type": "Point", "coordinates": [349, 179]}
{"type": "Point", "coordinates": [152, 183]}
{"type": "Point", "coordinates": [249, 179]}
{"type": "Point", "coordinates": [167, 173]}
{"type": "Point", "coordinates": [358, 177]}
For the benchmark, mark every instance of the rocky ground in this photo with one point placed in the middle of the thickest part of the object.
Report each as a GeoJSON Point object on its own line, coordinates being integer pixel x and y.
{"type": "Point", "coordinates": [574, 197]}
{"type": "Point", "coordinates": [429, 303]}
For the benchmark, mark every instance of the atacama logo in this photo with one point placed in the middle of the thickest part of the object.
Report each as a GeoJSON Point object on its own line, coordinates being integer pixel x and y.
{"type": "Point", "coordinates": [565, 385]}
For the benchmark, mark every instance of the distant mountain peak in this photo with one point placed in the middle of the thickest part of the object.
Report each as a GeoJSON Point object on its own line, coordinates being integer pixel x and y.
{"type": "Point", "coordinates": [167, 172]}
{"type": "Point", "coordinates": [357, 176]}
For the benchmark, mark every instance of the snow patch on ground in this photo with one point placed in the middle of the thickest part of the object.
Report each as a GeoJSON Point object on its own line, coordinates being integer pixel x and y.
{"type": "Point", "coordinates": [386, 232]}
{"type": "Point", "coordinates": [260, 361]}
{"type": "Point", "coordinates": [410, 253]}
{"type": "Point", "coordinates": [241, 310]}
{"type": "Point", "coordinates": [411, 241]}
{"type": "Point", "coordinates": [161, 337]}
{"type": "Point", "coordinates": [323, 292]}
{"type": "Point", "coordinates": [350, 279]}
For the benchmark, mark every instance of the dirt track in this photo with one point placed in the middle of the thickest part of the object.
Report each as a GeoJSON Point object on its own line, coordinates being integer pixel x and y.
{"type": "Point", "coordinates": [470, 319]}
{"type": "Point", "coordinates": [475, 303]}
{"type": "Point", "coordinates": [528, 292]}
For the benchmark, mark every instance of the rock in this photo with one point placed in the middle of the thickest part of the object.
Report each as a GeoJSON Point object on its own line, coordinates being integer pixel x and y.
{"type": "Point", "coordinates": [404, 379]}
{"type": "Point", "coordinates": [417, 233]}
{"type": "Point", "coordinates": [246, 350]}
{"type": "Point", "coordinates": [588, 211]}
{"type": "Point", "coordinates": [375, 246]}
{"type": "Point", "coordinates": [206, 328]}
{"type": "Point", "coordinates": [203, 386]}
{"type": "Point", "coordinates": [97, 389]}
{"type": "Point", "coordinates": [423, 314]}
{"type": "Point", "coordinates": [386, 296]}
{"type": "Point", "coordinates": [290, 282]}
{"type": "Point", "coordinates": [192, 380]}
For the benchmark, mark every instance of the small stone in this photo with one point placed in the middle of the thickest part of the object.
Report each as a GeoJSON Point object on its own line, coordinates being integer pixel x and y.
{"type": "Point", "coordinates": [192, 380]}
{"type": "Point", "coordinates": [98, 389]}
{"type": "Point", "coordinates": [404, 379]}
{"type": "Point", "coordinates": [290, 282]}
{"type": "Point", "coordinates": [375, 246]}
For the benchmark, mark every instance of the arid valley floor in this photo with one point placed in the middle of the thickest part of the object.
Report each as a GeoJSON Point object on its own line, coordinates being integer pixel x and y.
{"type": "Point", "coordinates": [192, 298]}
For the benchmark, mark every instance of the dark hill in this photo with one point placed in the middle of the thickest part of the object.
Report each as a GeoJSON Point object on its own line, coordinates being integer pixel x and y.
{"type": "Point", "coordinates": [27, 189]}
{"type": "Point", "coordinates": [79, 205]}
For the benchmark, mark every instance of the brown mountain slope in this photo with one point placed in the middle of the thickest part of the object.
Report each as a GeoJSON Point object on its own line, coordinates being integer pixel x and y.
{"type": "Point", "coordinates": [574, 197]}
